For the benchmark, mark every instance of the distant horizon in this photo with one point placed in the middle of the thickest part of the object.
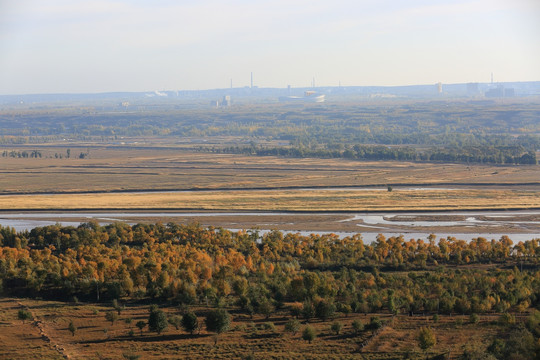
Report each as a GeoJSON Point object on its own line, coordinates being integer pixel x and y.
{"type": "Point", "coordinates": [150, 91]}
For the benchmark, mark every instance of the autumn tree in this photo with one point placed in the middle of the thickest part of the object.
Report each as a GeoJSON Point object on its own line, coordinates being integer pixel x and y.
{"type": "Point", "coordinates": [426, 338]}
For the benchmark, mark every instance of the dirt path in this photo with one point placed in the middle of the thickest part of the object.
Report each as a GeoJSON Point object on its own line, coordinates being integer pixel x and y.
{"type": "Point", "coordinates": [44, 333]}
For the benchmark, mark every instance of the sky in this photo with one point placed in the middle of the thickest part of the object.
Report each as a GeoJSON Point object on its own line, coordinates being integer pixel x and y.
{"type": "Point", "coordinates": [83, 46]}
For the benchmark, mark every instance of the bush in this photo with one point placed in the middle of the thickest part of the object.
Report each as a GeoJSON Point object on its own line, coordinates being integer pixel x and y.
{"type": "Point", "coordinates": [111, 316]}
{"type": "Point", "coordinates": [140, 324]}
{"type": "Point", "coordinates": [336, 327]}
{"type": "Point", "coordinates": [292, 326]}
{"type": "Point", "coordinates": [24, 315]}
{"type": "Point", "coordinates": [309, 334]}
{"type": "Point", "coordinates": [358, 326]}
{"type": "Point", "coordinates": [268, 326]}
{"type": "Point", "coordinates": [426, 338]}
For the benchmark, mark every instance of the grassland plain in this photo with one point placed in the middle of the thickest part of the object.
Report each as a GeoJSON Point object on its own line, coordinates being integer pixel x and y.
{"type": "Point", "coordinates": [284, 200]}
{"type": "Point", "coordinates": [48, 336]}
{"type": "Point", "coordinates": [112, 168]}
{"type": "Point", "coordinates": [259, 183]}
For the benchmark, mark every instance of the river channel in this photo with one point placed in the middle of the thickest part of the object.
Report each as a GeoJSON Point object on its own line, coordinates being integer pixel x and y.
{"type": "Point", "coordinates": [465, 225]}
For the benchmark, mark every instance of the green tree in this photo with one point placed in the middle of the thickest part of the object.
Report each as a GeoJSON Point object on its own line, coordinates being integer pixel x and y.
{"type": "Point", "coordinates": [265, 308]}
{"type": "Point", "coordinates": [190, 323]}
{"type": "Point", "coordinates": [309, 334]}
{"type": "Point", "coordinates": [157, 320]}
{"type": "Point", "coordinates": [218, 321]}
{"type": "Point", "coordinates": [324, 309]}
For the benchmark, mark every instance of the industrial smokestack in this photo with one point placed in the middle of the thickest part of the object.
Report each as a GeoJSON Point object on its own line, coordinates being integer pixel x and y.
{"type": "Point", "coordinates": [252, 79]}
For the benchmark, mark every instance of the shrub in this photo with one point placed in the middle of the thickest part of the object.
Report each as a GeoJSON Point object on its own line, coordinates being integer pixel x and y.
{"type": "Point", "coordinates": [292, 326]}
{"type": "Point", "coordinates": [358, 326]}
{"type": "Point", "coordinates": [309, 334]}
{"type": "Point", "coordinates": [336, 327]}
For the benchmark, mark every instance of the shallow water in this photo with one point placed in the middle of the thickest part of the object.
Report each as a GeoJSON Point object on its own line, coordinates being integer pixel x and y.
{"type": "Point", "coordinates": [382, 222]}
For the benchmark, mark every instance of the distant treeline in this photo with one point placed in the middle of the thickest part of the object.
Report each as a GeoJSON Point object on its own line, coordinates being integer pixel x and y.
{"type": "Point", "coordinates": [467, 154]}
{"type": "Point", "coordinates": [437, 124]}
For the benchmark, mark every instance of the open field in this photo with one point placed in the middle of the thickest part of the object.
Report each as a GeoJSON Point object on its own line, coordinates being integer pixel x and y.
{"type": "Point", "coordinates": [119, 169]}
{"type": "Point", "coordinates": [47, 336]}
{"type": "Point", "coordinates": [284, 200]}
{"type": "Point", "coordinates": [257, 183]}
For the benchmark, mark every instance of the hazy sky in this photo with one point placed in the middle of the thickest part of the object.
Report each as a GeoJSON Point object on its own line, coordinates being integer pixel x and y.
{"type": "Point", "coordinates": [134, 45]}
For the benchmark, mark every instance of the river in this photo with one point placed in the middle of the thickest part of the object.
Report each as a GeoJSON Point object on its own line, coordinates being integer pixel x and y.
{"type": "Point", "coordinates": [464, 225]}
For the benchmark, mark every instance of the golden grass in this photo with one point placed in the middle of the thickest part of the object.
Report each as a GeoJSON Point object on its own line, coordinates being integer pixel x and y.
{"type": "Point", "coordinates": [285, 200]}
{"type": "Point", "coordinates": [120, 169]}
{"type": "Point", "coordinates": [246, 336]}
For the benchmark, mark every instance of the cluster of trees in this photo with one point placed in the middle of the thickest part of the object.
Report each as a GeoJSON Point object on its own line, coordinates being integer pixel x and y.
{"type": "Point", "coordinates": [310, 277]}
{"type": "Point", "coordinates": [469, 154]}
{"type": "Point", "coordinates": [21, 154]}
{"type": "Point", "coordinates": [38, 154]}
{"type": "Point", "coordinates": [321, 274]}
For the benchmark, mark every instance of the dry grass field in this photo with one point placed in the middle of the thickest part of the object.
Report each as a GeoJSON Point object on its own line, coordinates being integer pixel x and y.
{"type": "Point", "coordinates": [109, 169]}
{"type": "Point", "coordinates": [118, 169]}
{"type": "Point", "coordinates": [48, 337]}
{"type": "Point", "coordinates": [284, 200]}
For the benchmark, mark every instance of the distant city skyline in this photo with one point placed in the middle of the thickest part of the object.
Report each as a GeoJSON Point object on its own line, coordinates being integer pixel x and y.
{"type": "Point", "coordinates": [84, 46]}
